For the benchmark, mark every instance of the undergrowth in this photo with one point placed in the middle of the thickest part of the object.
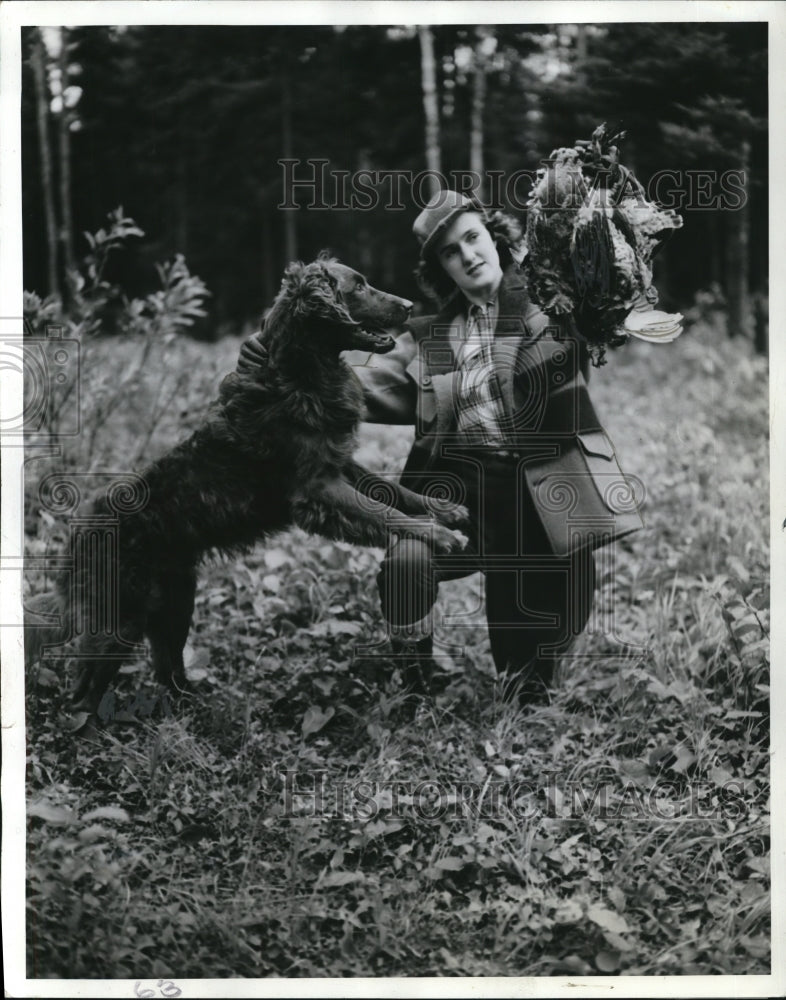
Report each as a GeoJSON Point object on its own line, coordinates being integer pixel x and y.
{"type": "Point", "coordinates": [303, 816]}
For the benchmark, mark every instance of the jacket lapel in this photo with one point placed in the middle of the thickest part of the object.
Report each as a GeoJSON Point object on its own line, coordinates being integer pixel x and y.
{"type": "Point", "coordinates": [510, 332]}
{"type": "Point", "coordinates": [433, 334]}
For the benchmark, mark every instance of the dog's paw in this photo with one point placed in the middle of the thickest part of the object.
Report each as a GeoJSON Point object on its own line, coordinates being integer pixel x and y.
{"type": "Point", "coordinates": [453, 516]}
{"type": "Point", "coordinates": [445, 541]}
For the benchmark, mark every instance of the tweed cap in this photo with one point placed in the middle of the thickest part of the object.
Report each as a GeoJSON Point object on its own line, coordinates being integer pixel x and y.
{"type": "Point", "coordinates": [439, 213]}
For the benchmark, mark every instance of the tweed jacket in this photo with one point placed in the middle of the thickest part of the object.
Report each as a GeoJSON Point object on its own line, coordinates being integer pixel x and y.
{"type": "Point", "coordinates": [561, 454]}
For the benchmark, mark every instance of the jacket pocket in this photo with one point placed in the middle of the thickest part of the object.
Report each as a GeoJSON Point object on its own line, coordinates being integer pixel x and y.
{"type": "Point", "coordinates": [582, 496]}
{"type": "Point", "coordinates": [596, 444]}
{"type": "Point", "coordinates": [617, 492]}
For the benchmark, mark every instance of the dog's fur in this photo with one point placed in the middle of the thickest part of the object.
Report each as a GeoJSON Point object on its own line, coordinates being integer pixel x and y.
{"type": "Point", "coordinates": [275, 450]}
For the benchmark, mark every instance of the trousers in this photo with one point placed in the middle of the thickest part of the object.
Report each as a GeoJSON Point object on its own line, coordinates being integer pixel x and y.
{"type": "Point", "coordinates": [536, 602]}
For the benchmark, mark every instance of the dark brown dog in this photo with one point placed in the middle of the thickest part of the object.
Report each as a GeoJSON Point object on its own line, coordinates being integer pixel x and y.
{"type": "Point", "coordinates": [275, 450]}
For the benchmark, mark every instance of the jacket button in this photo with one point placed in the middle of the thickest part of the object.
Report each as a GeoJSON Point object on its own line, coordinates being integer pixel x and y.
{"type": "Point", "coordinates": [426, 380]}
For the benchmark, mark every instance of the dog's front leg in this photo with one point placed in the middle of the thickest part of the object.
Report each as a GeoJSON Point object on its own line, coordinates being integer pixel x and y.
{"type": "Point", "coordinates": [393, 494]}
{"type": "Point", "coordinates": [336, 509]}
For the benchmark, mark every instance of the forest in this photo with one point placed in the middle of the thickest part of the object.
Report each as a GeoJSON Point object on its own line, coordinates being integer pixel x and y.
{"type": "Point", "coordinates": [196, 132]}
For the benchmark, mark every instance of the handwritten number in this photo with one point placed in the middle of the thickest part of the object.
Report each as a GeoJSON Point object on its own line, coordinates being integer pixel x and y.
{"type": "Point", "coordinates": [166, 986]}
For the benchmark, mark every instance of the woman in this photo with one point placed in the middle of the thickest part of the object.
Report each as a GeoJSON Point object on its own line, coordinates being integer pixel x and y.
{"type": "Point", "coordinates": [504, 423]}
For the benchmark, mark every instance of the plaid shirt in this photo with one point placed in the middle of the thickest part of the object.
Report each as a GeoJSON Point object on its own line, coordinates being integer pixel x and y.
{"type": "Point", "coordinates": [481, 412]}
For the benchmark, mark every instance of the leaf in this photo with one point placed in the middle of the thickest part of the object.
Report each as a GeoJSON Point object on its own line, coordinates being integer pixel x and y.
{"type": "Point", "coordinates": [574, 963]}
{"type": "Point", "coordinates": [759, 864]}
{"type": "Point", "coordinates": [196, 662]}
{"type": "Point", "coordinates": [568, 912]}
{"type": "Point", "coordinates": [58, 815]}
{"type": "Point", "coordinates": [335, 626]}
{"type": "Point", "coordinates": [607, 961]}
{"type": "Point", "coordinates": [76, 722]}
{"type": "Point", "coordinates": [47, 677]}
{"type": "Point", "coordinates": [95, 832]}
{"type": "Point", "coordinates": [377, 732]}
{"type": "Point", "coordinates": [325, 685]}
{"type": "Point", "coordinates": [737, 568]}
{"type": "Point", "coordinates": [759, 947]}
{"type": "Point", "coordinates": [451, 863]}
{"type": "Point", "coordinates": [719, 776]}
{"type": "Point", "coordinates": [685, 759]}
{"type": "Point", "coordinates": [107, 812]}
{"type": "Point", "coordinates": [315, 718]}
{"type": "Point", "coordinates": [275, 558]}
{"type": "Point", "coordinates": [333, 880]}
{"type": "Point", "coordinates": [617, 941]}
{"type": "Point", "coordinates": [633, 768]}
{"type": "Point", "coordinates": [607, 919]}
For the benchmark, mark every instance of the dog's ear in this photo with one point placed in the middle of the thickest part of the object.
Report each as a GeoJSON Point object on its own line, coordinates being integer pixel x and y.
{"type": "Point", "coordinates": [318, 297]}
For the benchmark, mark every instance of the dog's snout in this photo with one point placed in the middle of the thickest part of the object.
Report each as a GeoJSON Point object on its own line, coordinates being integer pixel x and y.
{"type": "Point", "coordinates": [406, 304]}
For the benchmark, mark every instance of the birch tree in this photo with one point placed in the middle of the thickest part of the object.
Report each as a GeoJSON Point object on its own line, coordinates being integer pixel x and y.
{"type": "Point", "coordinates": [39, 63]}
{"type": "Point", "coordinates": [428, 73]}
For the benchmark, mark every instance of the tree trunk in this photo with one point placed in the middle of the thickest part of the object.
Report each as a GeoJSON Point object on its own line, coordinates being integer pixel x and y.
{"type": "Point", "coordinates": [290, 214]}
{"type": "Point", "coordinates": [581, 44]}
{"type": "Point", "coordinates": [476, 135]}
{"type": "Point", "coordinates": [738, 259]}
{"type": "Point", "coordinates": [38, 57]}
{"type": "Point", "coordinates": [761, 326]}
{"type": "Point", "coordinates": [715, 248]}
{"type": "Point", "coordinates": [181, 196]}
{"type": "Point", "coordinates": [269, 265]}
{"type": "Point", "coordinates": [428, 73]}
{"type": "Point", "coordinates": [64, 129]}
{"type": "Point", "coordinates": [363, 251]}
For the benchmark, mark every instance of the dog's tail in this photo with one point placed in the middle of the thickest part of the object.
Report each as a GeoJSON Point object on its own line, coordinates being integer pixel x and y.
{"type": "Point", "coordinates": [45, 624]}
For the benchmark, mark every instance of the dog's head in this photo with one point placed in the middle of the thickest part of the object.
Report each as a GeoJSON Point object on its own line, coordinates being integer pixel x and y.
{"type": "Point", "coordinates": [339, 307]}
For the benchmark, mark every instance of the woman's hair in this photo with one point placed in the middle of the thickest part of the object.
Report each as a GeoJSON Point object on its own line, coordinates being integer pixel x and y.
{"type": "Point", "coordinates": [508, 238]}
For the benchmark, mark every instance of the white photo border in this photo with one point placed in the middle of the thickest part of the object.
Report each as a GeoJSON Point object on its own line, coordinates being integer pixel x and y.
{"type": "Point", "coordinates": [218, 12]}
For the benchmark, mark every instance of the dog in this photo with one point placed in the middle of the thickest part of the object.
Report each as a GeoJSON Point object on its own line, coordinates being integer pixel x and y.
{"type": "Point", "coordinates": [274, 450]}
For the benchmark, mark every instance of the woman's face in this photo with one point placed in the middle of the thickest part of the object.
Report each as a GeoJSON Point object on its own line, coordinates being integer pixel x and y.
{"type": "Point", "coordinates": [469, 256]}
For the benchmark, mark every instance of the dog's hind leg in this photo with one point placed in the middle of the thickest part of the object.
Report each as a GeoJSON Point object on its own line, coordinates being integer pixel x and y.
{"type": "Point", "coordinates": [168, 625]}
{"type": "Point", "coordinates": [103, 657]}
